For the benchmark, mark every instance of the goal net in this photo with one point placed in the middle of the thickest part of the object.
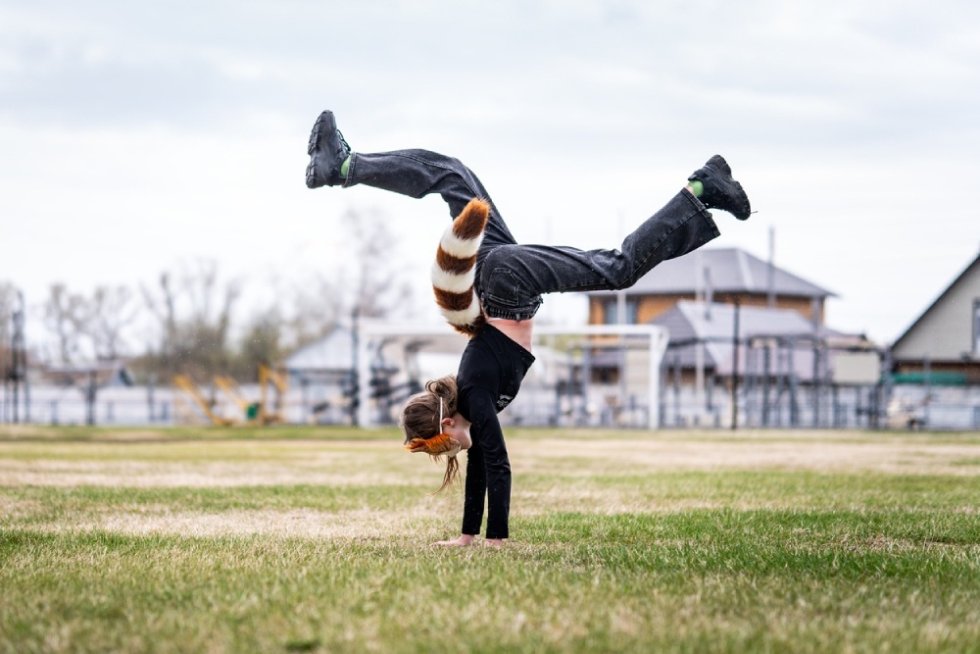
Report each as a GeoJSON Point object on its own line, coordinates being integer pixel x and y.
{"type": "Point", "coordinates": [588, 375]}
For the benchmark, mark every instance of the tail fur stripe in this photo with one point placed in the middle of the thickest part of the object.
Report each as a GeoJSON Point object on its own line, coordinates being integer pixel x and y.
{"type": "Point", "coordinates": [454, 270]}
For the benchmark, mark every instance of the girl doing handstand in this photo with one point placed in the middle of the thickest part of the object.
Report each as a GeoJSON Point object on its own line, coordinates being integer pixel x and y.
{"type": "Point", "coordinates": [508, 279]}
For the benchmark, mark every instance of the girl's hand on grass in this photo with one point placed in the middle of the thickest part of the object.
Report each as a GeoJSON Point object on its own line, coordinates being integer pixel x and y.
{"type": "Point", "coordinates": [460, 541]}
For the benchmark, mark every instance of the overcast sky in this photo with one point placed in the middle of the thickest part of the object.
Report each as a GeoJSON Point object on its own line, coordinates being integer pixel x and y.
{"type": "Point", "coordinates": [135, 135]}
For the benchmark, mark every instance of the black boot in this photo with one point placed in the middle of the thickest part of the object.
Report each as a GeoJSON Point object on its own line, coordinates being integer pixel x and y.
{"type": "Point", "coordinates": [720, 190]}
{"type": "Point", "coordinates": [327, 150]}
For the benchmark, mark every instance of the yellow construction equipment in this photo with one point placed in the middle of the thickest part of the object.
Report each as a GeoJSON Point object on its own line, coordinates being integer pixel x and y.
{"type": "Point", "coordinates": [230, 387]}
{"type": "Point", "coordinates": [184, 383]}
{"type": "Point", "coordinates": [267, 376]}
{"type": "Point", "coordinates": [253, 413]}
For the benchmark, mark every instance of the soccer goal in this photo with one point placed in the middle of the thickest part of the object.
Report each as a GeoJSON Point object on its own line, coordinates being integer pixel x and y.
{"type": "Point", "coordinates": [588, 375]}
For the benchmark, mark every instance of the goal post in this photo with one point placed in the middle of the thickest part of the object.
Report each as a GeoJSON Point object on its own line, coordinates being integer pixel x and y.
{"type": "Point", "coordinates": [640, 348]}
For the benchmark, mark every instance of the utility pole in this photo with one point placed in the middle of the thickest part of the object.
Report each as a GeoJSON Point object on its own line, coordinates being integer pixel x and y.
{"type": "Point", "coordinates": [701, 296]}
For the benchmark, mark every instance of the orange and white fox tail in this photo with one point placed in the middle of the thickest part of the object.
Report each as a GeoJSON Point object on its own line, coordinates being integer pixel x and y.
{"type": "Point", "coordinates": [454, 271]}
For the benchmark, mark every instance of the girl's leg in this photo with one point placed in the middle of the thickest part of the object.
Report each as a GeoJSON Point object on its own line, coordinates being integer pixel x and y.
{"type": "Point", "coordinates": [514, 276]}
{"type": "Point", "coordinates": [417, 173]}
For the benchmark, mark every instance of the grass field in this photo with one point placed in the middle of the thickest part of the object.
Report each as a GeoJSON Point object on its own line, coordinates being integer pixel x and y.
{"type": "Point", "coordinates": [296, 540]}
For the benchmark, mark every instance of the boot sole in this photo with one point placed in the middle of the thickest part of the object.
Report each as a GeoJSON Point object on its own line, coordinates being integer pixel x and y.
{"type": "Point", "coordinates": [740, 206]}
{"type": "Point", "coordinates": [325, 124]}
{"type": "Point", "coordinates": [325, 119]}
{"type": "Point", "coordinates": [744, 207]}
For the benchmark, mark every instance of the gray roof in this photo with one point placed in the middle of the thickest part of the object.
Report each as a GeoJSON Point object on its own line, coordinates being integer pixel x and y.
{"type": "Point", "coordinates": [730, 270]}
{"type": "Point", "coordinates": [688, 321]}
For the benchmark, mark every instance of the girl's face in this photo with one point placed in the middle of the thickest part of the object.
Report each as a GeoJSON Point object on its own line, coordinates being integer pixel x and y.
{"type": "Point", "coordinates": [459, 428]}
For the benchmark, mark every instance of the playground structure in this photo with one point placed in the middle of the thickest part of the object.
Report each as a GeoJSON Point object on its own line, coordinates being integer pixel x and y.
{"type": "Point", "coordinates": [264, 411]}
{"type": "Point", "coordinates": [560, 389]}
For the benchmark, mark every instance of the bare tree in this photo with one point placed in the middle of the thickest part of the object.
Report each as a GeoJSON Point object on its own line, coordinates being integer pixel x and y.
{"type": "Point", "coordinates": [194, 320]}
{"type": "Point", "coordinates": [378, 288]}
{"type": "Point", "coordinates": [65, 315]}
{"type": "Point", "coordinates": [369, 282]}
{"type": "Point", "coordinates": [262, 343]}
{"type": "Point", "coordinates": [162, 303]}
{"type": "Point", "coordinates": [193, 308]}
{"type": "Point", "coordinates": [316, 305]}
{"type": "Point", "coordinates": [8, 300]}
{"type": "Point", "coordinates": [110, 311]}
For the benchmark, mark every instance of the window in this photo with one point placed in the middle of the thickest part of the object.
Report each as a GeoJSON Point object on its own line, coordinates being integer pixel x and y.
{"type": "Point", "coordinates": [610, 311]}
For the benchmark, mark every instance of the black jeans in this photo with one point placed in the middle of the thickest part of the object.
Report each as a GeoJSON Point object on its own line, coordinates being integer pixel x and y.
{"type": "Point", "coordinates": [511, 278]}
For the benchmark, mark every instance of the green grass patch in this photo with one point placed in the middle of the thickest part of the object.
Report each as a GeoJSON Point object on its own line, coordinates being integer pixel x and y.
{"type": "Point", "coordinates": [611, 558]}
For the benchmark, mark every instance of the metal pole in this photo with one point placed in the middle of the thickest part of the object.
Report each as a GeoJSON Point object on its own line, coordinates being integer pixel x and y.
{"type": "Point", "coordinates": [794, 382]}
{"type": "Point", "coordinates": [658, 346]}
{"type": "Point", "coordinates": [815, 381]}
{"type": "Point", "coordinates": [18, 355]}
{"type": "Point", "coordinates": [885, 380]}
{"type": "Point", "coordinates": [586, 381]}
{"type": "Point", "coordinates": [771, 282]}
{"type": "Point", "coordinates": [27, 392]}
{"type": "Point", "coordinates": [150, 403]}
{"type": "Point", "coordinates": [664, 372]}
{"type": "Point", "coordinates": [927, 400]}
{"type": "Point", "coordinates": [15, 368]}
{"type": "Point", "coordinates": [735, 369]}
{"type": "Point", "coordinates": [677, 389]}
{"type": "Point", "coordinates": [698, 346]}
{"type": "Point", "coordinates": [355, 401]}
{"type": "Point", "coordinates": [751, 380]}
{"type": "Point", "coordinates": [766, 372]}
{"type": "Point", "coordinates": [90, 394]}
{"type": "Point", "coordinates": [621, 353]}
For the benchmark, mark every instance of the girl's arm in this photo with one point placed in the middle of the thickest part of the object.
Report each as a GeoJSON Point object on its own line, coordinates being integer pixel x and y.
{"type": "Point", "coordinates": [475, 488]}
{"type": "Point", "coordinates": [488, 436]}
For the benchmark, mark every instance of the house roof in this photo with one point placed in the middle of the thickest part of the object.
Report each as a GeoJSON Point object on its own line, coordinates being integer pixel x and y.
{"type": "Point", "coordinates": [692, 321]}
{"type": "Point", "coordinates": [906, 335]}
{"type": "Point", "coordinates": [730, 270]}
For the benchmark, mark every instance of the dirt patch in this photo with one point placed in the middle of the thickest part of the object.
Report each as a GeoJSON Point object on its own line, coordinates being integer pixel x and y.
{"type": "Point", "coordinates": [305, 523]}
{"type": "Point", "coordinates": [883, 544]}
{"type": "Point", "coordinates": [608, 501]}
{"type": "Point", "coordinates": [827, 456]}
{"type": "Point", "coordinates": [13, 509]}
{"type": "Point", "coordinates": [346, 464]}
{"type": "Point", "coordinates": [138, 474]}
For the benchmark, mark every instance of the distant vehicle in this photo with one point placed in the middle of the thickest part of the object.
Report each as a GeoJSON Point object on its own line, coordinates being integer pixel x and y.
{"type": "Point", "coordinates": [905, 415]}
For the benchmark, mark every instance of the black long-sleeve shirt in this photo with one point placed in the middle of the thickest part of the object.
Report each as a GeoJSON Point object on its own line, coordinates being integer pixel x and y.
{"type": "Point", "coordinates": [489, 377]}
